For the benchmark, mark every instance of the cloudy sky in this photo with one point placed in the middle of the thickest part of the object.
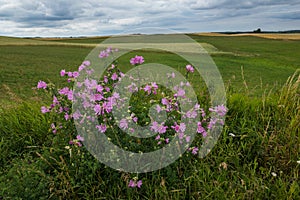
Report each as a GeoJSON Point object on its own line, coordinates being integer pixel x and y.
{"type": "Point", "coordinates": [109, 17]}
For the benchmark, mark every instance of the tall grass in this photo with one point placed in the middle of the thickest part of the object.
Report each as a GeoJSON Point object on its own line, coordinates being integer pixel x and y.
{"type": "Point", "coordinates": [255, 158]}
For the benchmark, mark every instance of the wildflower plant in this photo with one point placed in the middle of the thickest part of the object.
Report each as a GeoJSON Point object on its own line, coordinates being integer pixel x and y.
{"type": "Point", "coordinates": [136, 122]}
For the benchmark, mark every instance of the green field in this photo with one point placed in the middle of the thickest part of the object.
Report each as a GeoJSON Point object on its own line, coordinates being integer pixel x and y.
{"type": "Point", "coordinates": [266, 63]}
{"type": "Point", "coordinates": [264, 116]}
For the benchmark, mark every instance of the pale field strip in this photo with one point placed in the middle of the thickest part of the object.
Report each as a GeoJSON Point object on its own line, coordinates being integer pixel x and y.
{"type": "Point", "coordinates": [277, 36]}
{"type": "Point", "coordinates": [171, 47]}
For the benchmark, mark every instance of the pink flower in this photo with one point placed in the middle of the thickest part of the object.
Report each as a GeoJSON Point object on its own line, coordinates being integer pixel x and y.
{"type": "Point", "coordinates": [77, 143]}
{"type": "Point", "coordinates": [158, 108]}
{"type": "Point", "coordinates": [76, 115]}
{"type": "Point", "coordinates": [70, 95]}
{"type": "Point", "coordinates": [55, 100]}
{"type": "Point", "coordinates": [108, 49]}
{"type": "Point", "coordinates": [180, 93]}
{"type": "Point", "coordinates": [133, 183]}
{"type": "Point", "coordinates": [221, 110]}
{"type": "Point", "coordinates": [44, 109]}
{"type": "Point", "coordinates": [123, 124]}
{"type": "Point", "coordinates": [103, 54]}
{"type": "Point", "coordinates": [159, 128]}
{"type": "Point", "coordinates": [107, 89]}
{"type": "Point", "coordinates": [197, 106]}
{"type": "Point", "coordinates": [53, 126]}
{"type": "Point", "coordinates": [191, 114]}
{"type": "Point", "coordinates": [97, 97]}
{"type": "Point", "coordinates": [116, 95]}
{"type": "Point", "coordinates": [181, 135]}
{"type": "Point", "coordinates": [114, 76]}
{"type": "Point", "coordinates": [67, 117]}
{"type": "Point", "coordinates": [99, 88]}
{"type": "Point", "coordinates": [89, 71]}
{"type": "Point", "coordinates": [172, 75]}
{"type": "Point", "coordinates": [64, 91]}
{"type": "Point", "coordinates": [102, 128]}
{"type": "Point", "coordinates": [139, 183]}
{"type": "Point", "coordinates": [98, 109]}
{"type": "Point", "coordinates": [86, 63]}
{"type": "Point", "coordinates": [63, 72]}
{"type": "Point", "coordinates": [189, 68]}
{"type": "Point", "coordinates": [42, 85]}
{"type": "Point", "coordinates": [132, 88]}
{"type": "Point", "coordinates": [137, 60]}
{"type": "Point", "coordinates": [201, 130]}
{"type": "Point", "coordinates": [79, 138]}
{"type": "Point", "coordinates": [154, 85]}
{"type": "Point", "coordinates": [167, 103]}
{"type": "Point", "coordinates": [121, 74]}
{"type": "Point", "coordinates": [134, 118]}
{"type": "Point", "coordinates": [107, 106]}
{"type": "Point", "coordinates": [157, 137]}
{"type": "Point", "coordinates": [164, 101]}
{"type": "Point", "coordinates": [179, 128]}
{"type": "Point", "coordinates": [212, 122]}
{"type": "Point", "coordinates": [90, 84]}
{"type": "Point", "coordinates": [194, 150]}
{"type": "Point", "coordinates": [105, 79]}
{"type": "Point", "coordinates": [75, 74]}
{"type": "Point", "coordinates": [188, 139]}
{"type": "Point", "coordinates": [147, 89]}
{"type": "Point", "coordinates": [81, 67]}
{"type": "Point", "coordinates": [79, 85]}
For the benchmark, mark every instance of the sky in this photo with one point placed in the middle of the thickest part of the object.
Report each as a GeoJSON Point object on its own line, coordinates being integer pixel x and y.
{"type": "Point", "coordinates": [66, 18]}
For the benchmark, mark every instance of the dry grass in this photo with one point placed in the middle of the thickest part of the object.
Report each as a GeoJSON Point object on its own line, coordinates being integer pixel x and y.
{"type": "Point", "coordinates": [276, 36]}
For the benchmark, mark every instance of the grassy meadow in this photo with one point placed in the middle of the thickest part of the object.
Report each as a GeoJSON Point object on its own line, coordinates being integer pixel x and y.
{"type": "Point", "coordinates": [255, 158]}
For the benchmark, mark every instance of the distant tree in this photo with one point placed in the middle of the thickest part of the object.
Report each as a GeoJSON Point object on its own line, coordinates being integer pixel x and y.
{"type": "Point", "coordinates": [257, 30]}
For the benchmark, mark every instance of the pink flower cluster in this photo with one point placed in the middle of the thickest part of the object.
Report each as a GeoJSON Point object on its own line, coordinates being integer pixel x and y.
{"type": "Point", "coordinates": [99, 97]}
{"type": "Point", "coordinates": [137, 60]}
{"type": "Point", "coordinates": [151, 88]}
{"type": "Point", "coordinates": [194, 150]}
{"type": "Point", "coordinates": [42, 85]}
{"type": "Point", "coordinates": [105, 53]}
{"type": "Point", "coordinates": [134, 183]}
{"type": "Point", "coordinates": [55, 128]}
{"type": "Point", "coordinates": [189, 68]}
{"type": "Point", "coordinates": [77, 141]}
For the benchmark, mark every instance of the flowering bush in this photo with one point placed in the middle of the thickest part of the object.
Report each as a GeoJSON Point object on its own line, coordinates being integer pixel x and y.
{"type": "Point", "coordinates": [102, 97]}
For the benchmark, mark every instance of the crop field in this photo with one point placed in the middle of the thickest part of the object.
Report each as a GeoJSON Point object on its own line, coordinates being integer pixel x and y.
{"type": "Point", "coordinates": [257, 155]}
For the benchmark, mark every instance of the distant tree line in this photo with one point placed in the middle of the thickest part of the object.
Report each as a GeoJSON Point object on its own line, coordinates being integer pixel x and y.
{"type": "Point", "coordinates": [259, 30]}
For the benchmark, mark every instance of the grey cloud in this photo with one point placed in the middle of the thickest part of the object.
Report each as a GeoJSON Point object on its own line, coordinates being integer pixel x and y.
{"type": "Point", "coordinates": [293, 15]}
{"type": "Point", "coordinates": [42, 13]}
{"type": "Point", "coordinates": [115, 16]}
{"type": "Point", "coordinates": [236, 4]}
